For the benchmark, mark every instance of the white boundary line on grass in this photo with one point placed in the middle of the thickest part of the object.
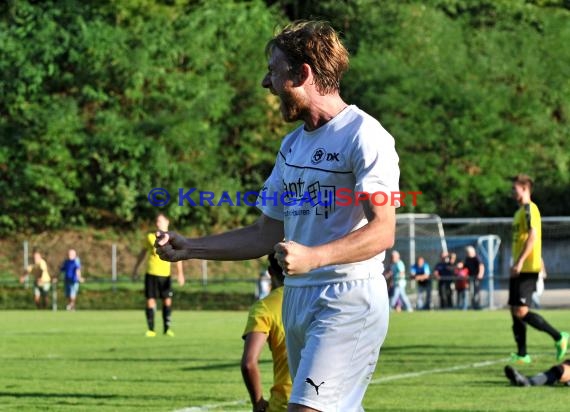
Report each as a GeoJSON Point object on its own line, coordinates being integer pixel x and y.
{"type": "Point", "coordinates": [441, 370]}
{"type": "Point", "coordinates": [206, 408]}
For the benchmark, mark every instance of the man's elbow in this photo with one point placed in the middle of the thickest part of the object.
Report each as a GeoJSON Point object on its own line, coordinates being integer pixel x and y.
{"type": "Point", "coordinates": [385, 241]}
{"type": "Point", "coordinates": [248, 364]}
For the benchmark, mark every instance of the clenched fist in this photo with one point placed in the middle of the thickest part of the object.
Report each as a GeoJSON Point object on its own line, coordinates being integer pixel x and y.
{"type": "Point", "coordinates": [294, 258]}
{"type": "Point", "coordinates": [171, 246]}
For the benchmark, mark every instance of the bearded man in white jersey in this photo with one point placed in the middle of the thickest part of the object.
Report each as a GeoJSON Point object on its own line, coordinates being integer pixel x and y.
{"type": "Point", "coordinates": [331, 247]}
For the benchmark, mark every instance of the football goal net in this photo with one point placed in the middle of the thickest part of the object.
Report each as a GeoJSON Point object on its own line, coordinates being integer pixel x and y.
{"type": "Point", "coordinates": [423, 235]}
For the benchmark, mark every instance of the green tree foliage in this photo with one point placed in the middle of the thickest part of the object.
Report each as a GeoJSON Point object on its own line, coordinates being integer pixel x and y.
{"type": "Point", "coordinates": [473, 92]}
{"type": "Point", "coordinates": [103, 101]}
{"type": "Point", "coordinates": [101, 104]}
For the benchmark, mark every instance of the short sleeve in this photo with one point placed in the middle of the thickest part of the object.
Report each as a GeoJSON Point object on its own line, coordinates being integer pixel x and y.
{"type": "Point", "coordinates": [534, 219]}
{"type": "Point", "coordinates": [401, 266]}
{"type": "Point", "coordinates": [375, 161]}
{"type": "Point", "coordinates": [258, 320]}
{"type": "Point", "coordinates": [148, 243]}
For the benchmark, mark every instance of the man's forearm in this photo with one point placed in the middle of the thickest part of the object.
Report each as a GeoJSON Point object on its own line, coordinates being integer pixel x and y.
{"type": "Point", "coordinates": [252, 380]}
{"type": "Point", "coordinates": [241, 244]}
{"type": "Point", "coordinates": [139, 260]}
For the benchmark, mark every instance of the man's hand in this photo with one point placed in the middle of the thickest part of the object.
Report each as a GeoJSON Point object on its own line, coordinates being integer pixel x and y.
{"type": "Point", "coordinates": [171, 246]}
{"type": "Point", "coordinates": [294, 258]}
{"type": "Point", "coordinates": [181, 279]}
{"type": "Point", "coordinates": [516, 269]}
{"type": "Point", "coordinates": [260, 406]}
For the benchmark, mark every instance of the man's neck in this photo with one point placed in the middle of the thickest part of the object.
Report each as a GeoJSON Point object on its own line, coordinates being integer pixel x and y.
{"type": "Point", "coordinates": [322, 110]}
{"type": "Point", "coordinates": [525, 201]}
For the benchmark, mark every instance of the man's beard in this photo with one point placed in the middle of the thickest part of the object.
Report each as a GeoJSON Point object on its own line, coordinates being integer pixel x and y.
{"type": "Point", "coordinates": [292, 106]}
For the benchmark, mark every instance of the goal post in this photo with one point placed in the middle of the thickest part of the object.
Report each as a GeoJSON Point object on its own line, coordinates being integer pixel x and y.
{"type": "Point", "coordinates": [488, 249]}
{"type": "Point", "coordinates": [420, 230]}
{"type": "Point", "coordinates": [423, 235]}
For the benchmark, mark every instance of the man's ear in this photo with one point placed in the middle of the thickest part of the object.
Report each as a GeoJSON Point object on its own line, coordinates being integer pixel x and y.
{"type": "Point", "coordinates": [303, 75]}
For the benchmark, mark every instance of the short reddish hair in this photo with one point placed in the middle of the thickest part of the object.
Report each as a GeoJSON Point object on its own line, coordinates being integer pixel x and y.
{"type": "Point", "coordinates": [523, 180]}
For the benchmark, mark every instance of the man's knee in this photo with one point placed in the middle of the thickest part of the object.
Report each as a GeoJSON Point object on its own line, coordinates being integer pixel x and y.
{"type": "Point", "coordinates": [519, 312]}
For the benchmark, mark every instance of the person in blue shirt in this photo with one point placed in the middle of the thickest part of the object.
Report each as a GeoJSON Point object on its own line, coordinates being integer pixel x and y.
{"type": "Point", "coordinates": [398, 273]}
{"type": "Point", "coordinates": [422, 275]}
{"type": "Point", "coordinates": [71, 268]}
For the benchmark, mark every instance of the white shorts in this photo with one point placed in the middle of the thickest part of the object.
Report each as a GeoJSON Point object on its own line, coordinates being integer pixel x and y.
{"type": "Point", "coordinates": [334, 333]}
{"type": "Point", "coordinates": [42, 289]}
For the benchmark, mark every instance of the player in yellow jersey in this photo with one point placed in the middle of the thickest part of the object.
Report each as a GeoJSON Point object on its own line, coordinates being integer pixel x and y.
{"type": "Point", "coordinates": [527, 262]}
{"type": "Point", "coordinates": [42, 280]}
{"type": "Point", "coordinates": [264, 324]}
{"type": "Point", "coordinates": [157, 280]}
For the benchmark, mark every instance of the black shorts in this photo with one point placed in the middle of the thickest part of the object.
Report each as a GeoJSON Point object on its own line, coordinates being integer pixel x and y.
{"type": "Point", "coordinates": [521, 289]}
{"type": "Point", "coordinates": [157, 286]}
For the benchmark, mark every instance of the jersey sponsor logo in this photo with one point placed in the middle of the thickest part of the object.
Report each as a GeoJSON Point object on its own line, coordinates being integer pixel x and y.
{"type": "Point", "coordinates": [318, 156]}
{"type": "Point", "coordinates": [313, 384]}
{"type": "Point", "coordinates": [301, 194]}
{"type": "Point", "coordinates": [321, 154]}
{"type": "Point", "coordinates": [333, 157]}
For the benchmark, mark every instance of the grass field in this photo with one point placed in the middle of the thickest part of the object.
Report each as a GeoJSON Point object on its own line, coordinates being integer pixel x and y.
{"type": "Point", "coordinates": [100, 361]}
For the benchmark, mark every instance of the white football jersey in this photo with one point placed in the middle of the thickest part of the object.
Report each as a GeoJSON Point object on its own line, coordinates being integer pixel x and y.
{"type": "Point", "coordinates": [313, 184]}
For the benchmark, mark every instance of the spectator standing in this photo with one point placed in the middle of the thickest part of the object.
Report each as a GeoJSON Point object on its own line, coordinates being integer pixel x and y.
{"type": "Point", "coordinates": [443, 272]}
{"type": "Point", "coordinates": [42, 280]}
{"type": "Point", "coordinates": [462, 286]}
{"type": "Point", "coordinates": [398, 270]}
{"type": "Point", "coordinates": [476, 271]}
{"type": "Point", "coordinates": [71, 269]}
{"type": "Point", "coordinates": [422, 274]}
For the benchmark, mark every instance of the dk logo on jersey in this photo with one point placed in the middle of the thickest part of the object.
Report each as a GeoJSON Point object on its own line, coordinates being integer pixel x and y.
{"type": "Point", "coordinates": [321, 154]}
